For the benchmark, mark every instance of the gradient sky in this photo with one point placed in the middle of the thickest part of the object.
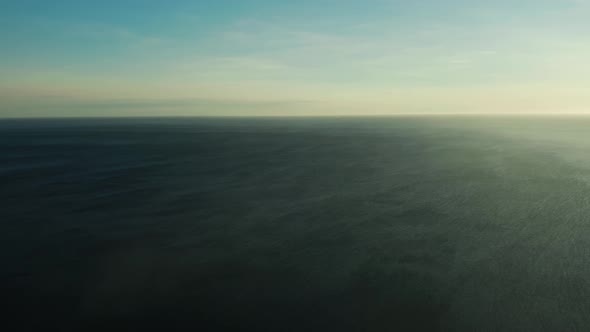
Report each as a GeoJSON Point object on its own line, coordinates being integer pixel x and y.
{"type": "Point", "coordinates": [279, 57]}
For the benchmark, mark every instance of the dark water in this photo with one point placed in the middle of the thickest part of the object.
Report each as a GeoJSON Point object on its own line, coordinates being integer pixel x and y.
{"type": "Point", "coordinates": [393, 224]}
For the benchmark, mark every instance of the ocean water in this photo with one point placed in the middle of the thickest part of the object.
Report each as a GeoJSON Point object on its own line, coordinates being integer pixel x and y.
{"type": "Point", "coordinates": [296, 224]}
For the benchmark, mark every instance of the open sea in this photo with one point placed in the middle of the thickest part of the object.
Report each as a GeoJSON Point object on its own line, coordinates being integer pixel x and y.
{"type": "Point", "coordinates": [448, 223]}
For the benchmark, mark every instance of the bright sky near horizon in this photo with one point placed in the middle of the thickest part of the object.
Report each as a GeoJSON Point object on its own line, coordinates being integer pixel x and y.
{"type": "Point", "coordinates": [283, 57]}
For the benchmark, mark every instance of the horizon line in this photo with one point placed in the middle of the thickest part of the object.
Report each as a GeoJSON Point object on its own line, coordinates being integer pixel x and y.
{"type": "Point", "coordinates": [375, 115]}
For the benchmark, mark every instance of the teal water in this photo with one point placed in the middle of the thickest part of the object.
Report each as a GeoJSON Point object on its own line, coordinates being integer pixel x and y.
{"type": "Point", "coordinates": [356, 224]}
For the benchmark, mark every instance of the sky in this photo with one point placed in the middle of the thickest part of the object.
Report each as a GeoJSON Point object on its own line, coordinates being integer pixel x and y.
{"type": "Point", "coordinates": [284, 57]}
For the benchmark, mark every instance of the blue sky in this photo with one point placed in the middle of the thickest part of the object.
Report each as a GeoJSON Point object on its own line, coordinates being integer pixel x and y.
{"type": "Point", "coordinates": [262, 57]}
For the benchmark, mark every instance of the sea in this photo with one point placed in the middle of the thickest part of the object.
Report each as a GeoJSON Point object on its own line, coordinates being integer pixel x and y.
{"type": "Point", "coordinates": [402, 223]}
